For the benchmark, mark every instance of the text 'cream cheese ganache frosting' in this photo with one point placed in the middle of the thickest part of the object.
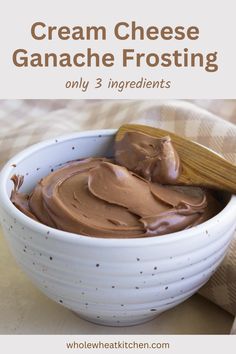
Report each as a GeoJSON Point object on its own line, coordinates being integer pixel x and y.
{"type": "Point", "coordinates": [129, 197]}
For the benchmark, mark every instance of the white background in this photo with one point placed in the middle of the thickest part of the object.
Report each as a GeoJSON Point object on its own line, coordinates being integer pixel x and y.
{"type": "Point", "coordinates": [178, 344]}
{"type": "Point", "coordinates": [216, 20]}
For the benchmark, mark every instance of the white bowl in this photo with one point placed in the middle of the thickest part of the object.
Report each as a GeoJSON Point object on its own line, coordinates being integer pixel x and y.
{"type": "Point", "coordinates": [115, 282]}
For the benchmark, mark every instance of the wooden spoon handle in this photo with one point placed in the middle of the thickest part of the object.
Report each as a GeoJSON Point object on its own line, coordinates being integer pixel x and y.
{"type": "Point", "coordinates": [201, 166]}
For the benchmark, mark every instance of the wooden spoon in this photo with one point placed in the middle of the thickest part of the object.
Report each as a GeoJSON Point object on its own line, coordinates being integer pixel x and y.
{"type": "Point", "coordinates": [201, 166]}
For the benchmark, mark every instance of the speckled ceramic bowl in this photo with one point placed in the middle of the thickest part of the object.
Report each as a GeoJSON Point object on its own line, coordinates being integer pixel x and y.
{"type": "Point", "coordinates": [115, 282]}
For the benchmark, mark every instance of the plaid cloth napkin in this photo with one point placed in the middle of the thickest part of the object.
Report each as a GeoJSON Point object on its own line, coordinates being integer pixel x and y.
{"type": "Point", "coordinates": [26, 122]}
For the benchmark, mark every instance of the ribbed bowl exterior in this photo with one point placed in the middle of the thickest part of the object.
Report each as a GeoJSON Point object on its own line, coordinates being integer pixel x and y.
{"type": "Point", "coordinates": [114, 282]}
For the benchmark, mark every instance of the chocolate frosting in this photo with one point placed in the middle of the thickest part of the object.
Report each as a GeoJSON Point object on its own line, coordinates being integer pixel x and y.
{"type": "Point", "coordinates": [100, 198]}
{"type": "Point", "coordinates": [154, 159]}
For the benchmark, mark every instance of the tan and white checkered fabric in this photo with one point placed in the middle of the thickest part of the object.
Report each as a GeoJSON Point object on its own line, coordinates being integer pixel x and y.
{"type": "Point", "coordinates": [25, 122]}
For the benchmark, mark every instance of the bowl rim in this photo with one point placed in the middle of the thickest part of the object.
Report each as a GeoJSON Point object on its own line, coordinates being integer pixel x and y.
{"type": "Point", "coordinates": [65, 236]}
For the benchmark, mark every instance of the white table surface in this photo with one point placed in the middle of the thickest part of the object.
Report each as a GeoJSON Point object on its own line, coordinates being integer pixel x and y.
{"type": "Point", "coordinates": [25, 310]}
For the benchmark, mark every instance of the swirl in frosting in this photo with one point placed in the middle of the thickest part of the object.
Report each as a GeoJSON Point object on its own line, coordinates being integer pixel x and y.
{"type": "Point", "coordinates": [119, 199]}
